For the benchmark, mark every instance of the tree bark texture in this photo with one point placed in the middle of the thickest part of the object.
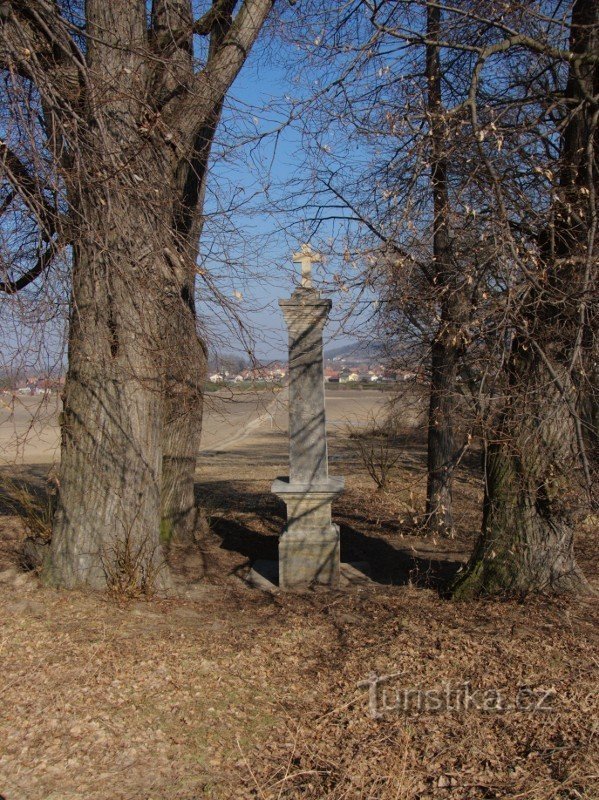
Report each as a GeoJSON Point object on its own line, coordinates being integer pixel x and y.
{"type": "Point", "coordinates": [527, 532]}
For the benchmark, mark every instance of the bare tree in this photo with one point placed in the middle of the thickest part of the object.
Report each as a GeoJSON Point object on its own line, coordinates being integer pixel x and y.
{"type": "Point", "coordinates": [527, 540]}
{"type": "Point", "coordinates": [403, 198]}
{"type": "Point", "coordinates": [123, 120]}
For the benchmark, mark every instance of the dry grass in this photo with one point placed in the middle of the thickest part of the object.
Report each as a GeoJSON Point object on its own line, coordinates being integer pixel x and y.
{"type": "Point", "coordinates": [233, 693]}
{"type": "Point", "coordinates": [33, 508]}
{"type": "Point", "coordinates": [238, 694]}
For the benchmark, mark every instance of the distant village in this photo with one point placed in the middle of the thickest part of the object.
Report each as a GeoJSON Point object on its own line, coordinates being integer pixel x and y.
{"type": "Point", "coordinates": [37, 385]}
{"type": "Point", "coordinates": [340, 369]}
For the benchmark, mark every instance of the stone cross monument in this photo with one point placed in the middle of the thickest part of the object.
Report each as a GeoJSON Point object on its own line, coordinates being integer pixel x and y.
{"type": "Point", "coordinates": [309, 546]}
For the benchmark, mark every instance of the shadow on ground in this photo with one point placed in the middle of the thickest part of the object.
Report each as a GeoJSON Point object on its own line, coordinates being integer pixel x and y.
{"type": "Point", "coordinates": [260, 517]}
{"type": "Point", "coordinates": [246, 520]}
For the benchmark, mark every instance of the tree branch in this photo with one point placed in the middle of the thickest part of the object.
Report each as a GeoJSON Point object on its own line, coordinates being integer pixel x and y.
{"type": "Point", "coordinates": [189, 112]}
{"type": "Point", "coordinates": [386, 240]}
{"type": "Point", "coordinates": [42, 263]}
{"type": "Point", "coordinates": [169, 40]}
{"type": "Point", "coordinates": [36, 43]}
{"type": "Point", "coordinates": [27, 187]}
{"type": "Point", "coordinates": [221, 8]}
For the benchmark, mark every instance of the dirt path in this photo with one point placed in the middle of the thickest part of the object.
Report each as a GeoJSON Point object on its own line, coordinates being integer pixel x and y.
{"type": "Point", "coordinates": [29, 430]}
{"type": "Point", "coordinates": [269, 410]}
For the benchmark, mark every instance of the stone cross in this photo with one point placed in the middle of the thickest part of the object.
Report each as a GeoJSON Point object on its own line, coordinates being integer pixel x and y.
{"type": "Point", "coordinates": [306, 257]}
{"type": "Point", "coordinates": [309, 546]}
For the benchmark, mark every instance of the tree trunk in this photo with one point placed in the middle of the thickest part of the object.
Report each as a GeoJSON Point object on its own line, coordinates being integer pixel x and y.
{"type": "Point", "coordinates": [129, 118]}
{"type": "Point", "coordinates": [446, 347]}
{"type": "Point", "coordinates": [187, 367]}
{"type": "Point", "coordinates": [527, 533]}
{"type": "Point", "coordinates": [441, 440]}
{"type": "Point", "coordinates": [181, 435]}
{"type": "Point", "coordinates": [107, 522]}
{"type": "Point", "coordinates": [106, 527]}
{"type": "Point", "coordinates": [187, 364]}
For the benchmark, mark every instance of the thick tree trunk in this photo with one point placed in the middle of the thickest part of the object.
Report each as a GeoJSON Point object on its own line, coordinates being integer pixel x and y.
{"type": "Point", "coordinates": [107, 522]}
{"type": "Point", "coordinates": [131, 116]}
{"type": "Point", "coordinates": [526, 542]}
{"type": "Point", "coordinates": [106, 527]}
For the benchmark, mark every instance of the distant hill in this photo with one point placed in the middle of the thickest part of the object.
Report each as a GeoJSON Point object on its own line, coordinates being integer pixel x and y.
{"type": "Point", "coordinates": [227, 361]}
{"type": "Point", "coordinates": [357, 351]}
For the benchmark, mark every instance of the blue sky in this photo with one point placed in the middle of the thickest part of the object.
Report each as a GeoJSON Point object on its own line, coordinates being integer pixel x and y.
{"type": "Point", "coordinates": [267, 237]}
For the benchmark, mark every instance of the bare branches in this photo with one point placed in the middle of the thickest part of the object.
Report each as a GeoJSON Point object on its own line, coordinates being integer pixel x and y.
{"type": "Point", "coordinates": [29, 190]}
{"type": "Point", "coordinates": [43, 262]}
{"type": "Point", "coordinates": [513, 38]}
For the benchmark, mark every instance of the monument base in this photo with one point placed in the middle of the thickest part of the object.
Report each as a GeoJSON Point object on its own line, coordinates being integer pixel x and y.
{"type": "Point", "coordinates": [307, 558]}
{"type": "Point", "coordinates": [309, 551]}
{"type": "Point", "coordinates": [264, 575]}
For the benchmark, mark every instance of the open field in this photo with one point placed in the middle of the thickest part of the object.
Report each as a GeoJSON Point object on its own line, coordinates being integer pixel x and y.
{"type": "Point", "coordinates": [228, 692]}
{"type": "Point", "coordinates": [29, 432]}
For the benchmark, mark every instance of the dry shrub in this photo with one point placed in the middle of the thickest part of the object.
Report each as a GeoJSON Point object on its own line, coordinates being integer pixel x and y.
{"type": "Point", "coordinates": [375, 445]}
{"type": "Point", "coordinates": [131, 568]}
{"type": "Point", "coordinates": [34, 509]}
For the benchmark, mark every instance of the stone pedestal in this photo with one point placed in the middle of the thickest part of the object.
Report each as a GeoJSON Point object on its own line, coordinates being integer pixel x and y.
{"type": "Point", "coordinates": [309, 547]}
